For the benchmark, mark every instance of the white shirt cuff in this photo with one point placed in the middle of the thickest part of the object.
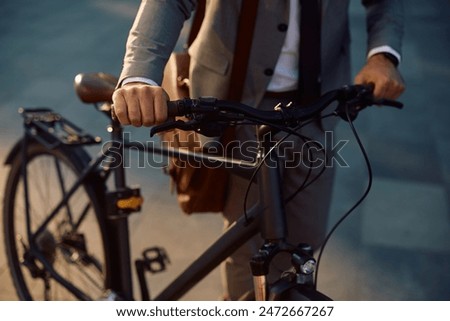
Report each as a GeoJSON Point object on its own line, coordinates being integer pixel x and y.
{"type": "Point", "coordinates": [139, 79]}
{"type": "Point", "coordinates": [387, 49]}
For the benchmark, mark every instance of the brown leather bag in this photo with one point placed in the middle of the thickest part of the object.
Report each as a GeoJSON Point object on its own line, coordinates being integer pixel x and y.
{"type": "Point", "coordinates": [200, 189]}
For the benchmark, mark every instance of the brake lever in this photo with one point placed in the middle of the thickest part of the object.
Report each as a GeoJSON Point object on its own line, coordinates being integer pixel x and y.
{"type": "Point", "coordinates": [349, 110]}
{"type": "Point", "coordinates": [201, 126]}
{"type": "Point", "coordinates": [389, 102]}
{"type": "Point", "coordinates": [177, 124]}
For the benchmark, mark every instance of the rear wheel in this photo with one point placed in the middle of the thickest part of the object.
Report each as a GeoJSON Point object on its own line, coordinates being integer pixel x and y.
{"type": "Point", "coordinates": [65, 250]}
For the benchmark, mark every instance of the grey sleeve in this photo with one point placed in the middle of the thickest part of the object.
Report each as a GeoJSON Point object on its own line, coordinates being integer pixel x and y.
{"type": "Point", "coordinates": [153, 36]}
{"type": "Point", "coordinates": [384, 23]}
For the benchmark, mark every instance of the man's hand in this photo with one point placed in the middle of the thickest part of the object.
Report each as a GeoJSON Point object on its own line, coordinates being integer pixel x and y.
{"type": "Point", "coordinates": [140, 104]}
{"type": "Point", "coordinates": [384, 75]}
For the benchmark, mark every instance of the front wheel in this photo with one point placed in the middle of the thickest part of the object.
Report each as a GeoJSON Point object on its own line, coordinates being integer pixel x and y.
{"type": "Point", "coordinates": [286, 289]}
{"type": "Point", "coordinates": [59, 256]}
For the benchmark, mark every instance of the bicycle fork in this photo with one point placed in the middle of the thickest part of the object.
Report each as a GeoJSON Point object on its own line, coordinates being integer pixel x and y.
{"type": "Point", "coordinates": [300, 274]}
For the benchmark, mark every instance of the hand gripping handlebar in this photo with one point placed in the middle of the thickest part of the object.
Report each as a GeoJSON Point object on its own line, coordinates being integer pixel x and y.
{"type": "Point", "coordinates": [209, 116]}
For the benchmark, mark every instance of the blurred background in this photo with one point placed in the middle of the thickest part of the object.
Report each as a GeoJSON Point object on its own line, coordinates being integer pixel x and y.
{"type": "Point", "coordinates": [395, 246]}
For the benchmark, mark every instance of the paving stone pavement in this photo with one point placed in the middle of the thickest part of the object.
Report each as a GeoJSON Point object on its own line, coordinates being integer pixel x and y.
{"type": "Point", "coordinates": [395, 246]}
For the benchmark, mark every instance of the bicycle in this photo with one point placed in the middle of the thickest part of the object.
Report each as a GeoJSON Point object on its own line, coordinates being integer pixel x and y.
{"type": "Point", "coordinates": [60, 243]}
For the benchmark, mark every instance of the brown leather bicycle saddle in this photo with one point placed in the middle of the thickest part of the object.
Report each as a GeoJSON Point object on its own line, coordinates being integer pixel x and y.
{"type": "Point", "coordinates": [95, 87]}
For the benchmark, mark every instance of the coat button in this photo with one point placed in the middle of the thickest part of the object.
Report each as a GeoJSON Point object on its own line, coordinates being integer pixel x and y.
{"type": "Point", "coordinates": [268, 72]}
{"type": "Point", "coordinates": [282, 27]}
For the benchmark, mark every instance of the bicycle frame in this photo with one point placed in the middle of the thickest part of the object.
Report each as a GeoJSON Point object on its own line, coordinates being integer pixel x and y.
{"type": "Point", "coordinates": [266, 217]}
{"type": "Point", "coordinates": [271, 213]}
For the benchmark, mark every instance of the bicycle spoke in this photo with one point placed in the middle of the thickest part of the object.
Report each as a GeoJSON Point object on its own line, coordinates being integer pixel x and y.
{"type": "Point", "coordinates": [62, 187]}
{"type": "Point", "coordinates": [84, 212]}
{"type": "Point", "coordinates": [60, 227]}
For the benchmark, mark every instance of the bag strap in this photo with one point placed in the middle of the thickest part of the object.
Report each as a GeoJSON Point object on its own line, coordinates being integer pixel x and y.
{"type": "Point", "coordinates": [309, 53]}
{"type": "Point", "coordinates": [197, 22]}
{"type": "Point", "coordinates": [246, 27]}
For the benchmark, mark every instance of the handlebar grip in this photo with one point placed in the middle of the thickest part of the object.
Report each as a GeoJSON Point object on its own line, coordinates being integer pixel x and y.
{"type": "Point", "coordinates": [175, 108]}
{"type": "Point", "coordinates": [383, 101]}
{"type": "Point", "coordinates": [370, 86]}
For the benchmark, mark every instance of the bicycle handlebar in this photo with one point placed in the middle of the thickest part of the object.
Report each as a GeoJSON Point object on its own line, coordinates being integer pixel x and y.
{"type": "Point", "coordinates": [209, 116]}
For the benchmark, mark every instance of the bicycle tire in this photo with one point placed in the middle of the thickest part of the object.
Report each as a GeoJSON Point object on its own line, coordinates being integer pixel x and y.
{"type": "Point", "coordinates": [74, 242]}
{"type": "Point", "coordinates": [286, 289]}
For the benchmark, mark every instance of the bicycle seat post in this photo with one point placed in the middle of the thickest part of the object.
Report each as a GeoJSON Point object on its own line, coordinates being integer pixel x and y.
{"type": "Point", "coordinates": [118, 224]}
{"type": "Point", "coordinates": [117, 137]}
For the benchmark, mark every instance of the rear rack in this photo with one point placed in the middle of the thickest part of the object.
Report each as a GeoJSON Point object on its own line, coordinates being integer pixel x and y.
{"type": "Point", "coordinates": [53, 130]}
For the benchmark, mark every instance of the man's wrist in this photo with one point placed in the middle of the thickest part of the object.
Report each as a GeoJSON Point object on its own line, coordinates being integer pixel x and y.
{"type": "Point", "coordinates": [387, 52]}
{"type": "Point", "coordinates": [140, 80]}
{"type": "Point", "coordinates": [391, 58]}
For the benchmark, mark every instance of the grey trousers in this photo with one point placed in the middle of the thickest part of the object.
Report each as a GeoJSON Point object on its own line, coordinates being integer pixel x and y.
{"type": "Point", "coordinates": [306, 214]}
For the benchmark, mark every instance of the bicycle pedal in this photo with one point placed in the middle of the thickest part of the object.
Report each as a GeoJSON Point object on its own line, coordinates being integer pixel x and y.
{"type": "Point", "coordinates": [155, 259]}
